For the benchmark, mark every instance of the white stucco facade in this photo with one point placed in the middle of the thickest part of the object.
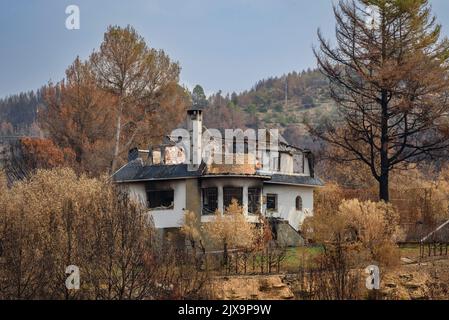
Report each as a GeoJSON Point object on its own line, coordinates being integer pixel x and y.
{"type": "Point", "coordinates": [170, 218]}
{"type": "Point", "coordinates": [286, 204]}
{"type": "Point", "coordinates": [286, 200]}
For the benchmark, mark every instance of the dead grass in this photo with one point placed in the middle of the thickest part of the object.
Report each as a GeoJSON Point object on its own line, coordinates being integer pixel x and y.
{"type": "Point", "coordinates": [306, 256]}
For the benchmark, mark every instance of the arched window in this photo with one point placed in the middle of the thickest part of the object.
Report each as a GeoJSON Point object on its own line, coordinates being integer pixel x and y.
{"type": "Point", "coordinates": [298, 203]}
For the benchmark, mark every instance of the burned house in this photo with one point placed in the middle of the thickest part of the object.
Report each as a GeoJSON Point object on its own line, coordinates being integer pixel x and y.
{"type": "Point", "coordinates": [203, 172]}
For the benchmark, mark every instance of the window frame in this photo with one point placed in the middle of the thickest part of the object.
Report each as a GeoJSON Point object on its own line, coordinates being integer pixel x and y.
{"type": "Point", "coordinates": [251, 204]}
{"type": "Point", "coordinates": [160, 207]}
{"type": "Point", "coordinates": [225, 200]}
{"type": "Point", "coordinates": [301, 202]}
{"type": "Point", "coordinates": [275, 165]}
{"type": "Point", "coordinates": [275, 209]}
{"type": "Point", "coordinates": [205, 194]}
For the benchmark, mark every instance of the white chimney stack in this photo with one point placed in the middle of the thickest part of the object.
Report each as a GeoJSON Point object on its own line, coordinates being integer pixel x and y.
{"type": "Point", "coordinates": [195, 128]}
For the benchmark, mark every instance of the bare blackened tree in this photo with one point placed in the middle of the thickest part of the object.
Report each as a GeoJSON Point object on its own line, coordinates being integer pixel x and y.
{"type": "Point", "coordinates": [388, 76]}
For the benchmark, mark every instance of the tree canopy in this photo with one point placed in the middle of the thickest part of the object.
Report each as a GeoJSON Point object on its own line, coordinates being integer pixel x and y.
{"type": "Point", "coordinates": [388, 74]}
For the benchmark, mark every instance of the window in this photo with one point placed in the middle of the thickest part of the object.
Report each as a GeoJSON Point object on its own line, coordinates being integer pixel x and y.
{"type": "Point", "coordinates": [160, 199]}
{"type": "Point", "coordinates": [268, 138]}
{"type": "Point", "coordinates": [275, 164]}
{"type": "Point", "coordinates": [272, 202]}
{"type": "Point", "coordinates": [298, 163]}
{"type": "Point", "coordinates": [254, 200]}
{"type": "Point", "coordinates": [210, 200]}
{"type": "Point", "coordinates": [232, 193]}
{"type": "Point", "coordinates": [299, 203]}
{"type": "Point", "coordinates": [246, 146]}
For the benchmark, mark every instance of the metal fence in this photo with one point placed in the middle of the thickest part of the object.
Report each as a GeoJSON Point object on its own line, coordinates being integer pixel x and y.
{"type": "Point", "coordinates": [433, 249]}
{"type": "Point", "coordinates": [241, 262]}
{"type": "Point", "coordinates": [436, 243]}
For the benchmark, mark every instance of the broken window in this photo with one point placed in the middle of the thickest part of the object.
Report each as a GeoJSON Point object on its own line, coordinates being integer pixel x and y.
{"type": "Point", "coordinates": [232, 193]}
{"type": "Point", "coordinates": [210, 200]}
{"type": "Point", "coordinates": [272, 202]}
{"type": "Point", "coordinates": [299, 203]}
{"type": "Point", "coordinates": [161, 199]}
{"type": "Point", "coordinates": [298, 163]}
{"type": "Point", "coordinates": [254, 200]}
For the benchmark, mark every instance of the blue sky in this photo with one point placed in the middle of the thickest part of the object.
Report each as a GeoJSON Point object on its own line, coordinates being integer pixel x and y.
{"type": "Point", "coordinates": [220, 44]}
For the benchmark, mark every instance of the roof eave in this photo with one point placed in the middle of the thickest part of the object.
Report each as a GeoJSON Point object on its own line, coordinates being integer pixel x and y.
{"type": "Point", "coordinates": [236, 176]}
{"type": "Point", "coordinates": [155, 179]}
{"type": "Point", "coordinates": [297, 184]}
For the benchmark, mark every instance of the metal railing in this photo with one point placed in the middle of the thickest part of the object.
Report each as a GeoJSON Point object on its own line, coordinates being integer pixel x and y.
{"type": "Point", "coordinates": [433, 244]}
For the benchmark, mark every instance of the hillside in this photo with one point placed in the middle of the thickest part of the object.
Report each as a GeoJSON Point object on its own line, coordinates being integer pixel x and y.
{"type": "Point", "coordinates": [277, 102]}
{"type": "Point", "coordinates": [284, 100]}
{"type": "Point", "coordinates": [18, 113]}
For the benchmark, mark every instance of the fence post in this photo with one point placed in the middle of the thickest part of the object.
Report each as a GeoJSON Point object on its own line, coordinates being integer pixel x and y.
{"type": "Point", "coordinates": [268, 260]}
{"type": "Point", "coordinates": [231, 261]}
{"type": "Point", "coordinates": [254, 263]}
{"type": "Point", "coordinates": [245, 261]}
{"type": "Point", "coordinates": [236, 263]}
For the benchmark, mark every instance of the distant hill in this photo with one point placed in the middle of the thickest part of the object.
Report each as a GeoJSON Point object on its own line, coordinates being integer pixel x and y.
{"type": "Point", "coordinates": [278, 102]}
{"type": "Point", "coordinates": [283, 100]}
{"type": "Point", "coordinates": [18, 113]}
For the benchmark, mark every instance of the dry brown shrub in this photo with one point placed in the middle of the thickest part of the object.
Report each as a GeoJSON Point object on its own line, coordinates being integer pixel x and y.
{"type": "Point", "coordinates": [231, 229]}
{"type": "Point", "coordinates": [422, 198]}
{"type": "Point", "coordinates": [56, 219]}
{"type": "Point", "coordinates": [366, 226]}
